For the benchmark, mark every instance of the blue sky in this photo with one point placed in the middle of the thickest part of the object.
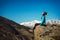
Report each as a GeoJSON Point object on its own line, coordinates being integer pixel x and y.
{"type": "Point", "coordinates": [29, 10]}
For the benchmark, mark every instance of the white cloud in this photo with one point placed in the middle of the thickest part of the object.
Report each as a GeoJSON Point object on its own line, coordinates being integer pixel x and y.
{"type": "Point", "coordinates": [32, 23]}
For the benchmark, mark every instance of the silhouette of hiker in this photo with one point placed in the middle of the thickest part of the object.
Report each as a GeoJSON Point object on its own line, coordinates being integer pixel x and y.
{"type": "Point", "coordinates": [43, 20]}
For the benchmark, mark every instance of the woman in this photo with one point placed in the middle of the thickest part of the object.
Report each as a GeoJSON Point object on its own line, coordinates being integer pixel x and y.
{"type": "Point", "coordinates": [43, 20]}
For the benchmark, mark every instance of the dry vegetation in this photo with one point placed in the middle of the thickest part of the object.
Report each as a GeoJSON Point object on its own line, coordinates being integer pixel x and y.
{"type": "Point", "coordinates": [10, 30]}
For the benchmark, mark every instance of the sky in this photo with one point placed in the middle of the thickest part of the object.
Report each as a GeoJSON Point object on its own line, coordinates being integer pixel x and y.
{"type": "Point", "coordinates": [29, 10]}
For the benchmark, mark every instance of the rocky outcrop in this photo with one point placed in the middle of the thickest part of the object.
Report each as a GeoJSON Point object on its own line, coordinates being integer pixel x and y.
{"type": "Point", "coordinates": [51, 32]}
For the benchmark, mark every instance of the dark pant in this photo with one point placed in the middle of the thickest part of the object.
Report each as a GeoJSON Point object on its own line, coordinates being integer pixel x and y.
{"type": "Point", "coordinates": [38, 24]}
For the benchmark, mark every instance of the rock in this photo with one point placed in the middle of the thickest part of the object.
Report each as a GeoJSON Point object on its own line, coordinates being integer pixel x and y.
{"type": "Point", "coordinates": [47, 33]}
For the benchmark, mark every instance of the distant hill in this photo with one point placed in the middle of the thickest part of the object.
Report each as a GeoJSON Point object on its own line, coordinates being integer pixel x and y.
{"type": "Point", "coordinates": [54, 21]}
{"type": "Point", "coordinates": [10, 30]}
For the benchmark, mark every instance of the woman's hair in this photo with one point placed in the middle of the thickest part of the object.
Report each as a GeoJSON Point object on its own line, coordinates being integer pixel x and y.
{"type": "Point", "coordinates": [44, 13]}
